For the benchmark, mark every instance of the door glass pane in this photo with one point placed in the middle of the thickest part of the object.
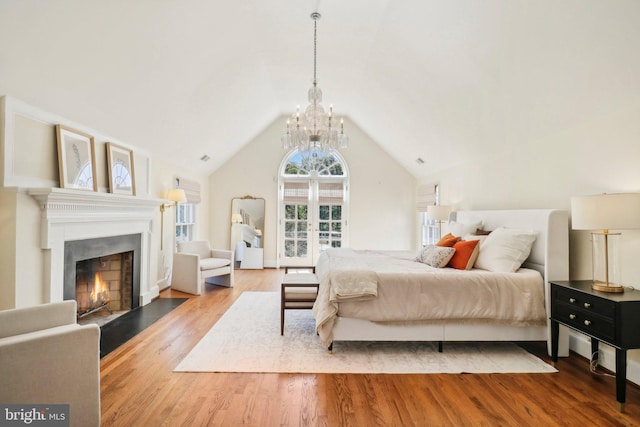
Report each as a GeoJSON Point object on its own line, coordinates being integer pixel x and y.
{"type": "Point", "coordinates": [302, 248]}
{"type": "Point", "coordinates": [324, 213]}
{"type": "Point", "coordinates": [289, 248]}
{"type": "Point", "coordinates": [302, 212]}
{"type": "Point", "coordinates": [289, 229]}
{"type": "Point", "coordinates": [290, 211]}
{"type": "Point", "coordinates": [336, 212]}
{"type": "Point", "coordinates": [302, 230]}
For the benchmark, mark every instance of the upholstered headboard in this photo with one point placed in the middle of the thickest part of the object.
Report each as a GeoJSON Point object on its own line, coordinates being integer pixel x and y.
{"type": "Point", "coordinates": [550, 251]}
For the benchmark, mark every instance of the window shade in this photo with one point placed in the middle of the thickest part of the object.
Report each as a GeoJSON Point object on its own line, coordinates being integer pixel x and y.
{"type": "Point", "coordinates": [191, 189]}
{"type": "Point", "coordinates": [296, 192]}
{"type": "Point", "coordinates": [425, 196]}
{"type": "Point", "coordinates": [330, 193]}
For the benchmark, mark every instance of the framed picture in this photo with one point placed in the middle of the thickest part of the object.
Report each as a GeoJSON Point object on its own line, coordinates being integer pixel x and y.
{"type": "Point", "coordinates": [121, 173]}
{"type": "Point", "coordinates": [76, 159]}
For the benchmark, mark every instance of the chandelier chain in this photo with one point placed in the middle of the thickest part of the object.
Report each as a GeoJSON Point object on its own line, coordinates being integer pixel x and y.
{"type": "Point", "coordinates": [315, 50]}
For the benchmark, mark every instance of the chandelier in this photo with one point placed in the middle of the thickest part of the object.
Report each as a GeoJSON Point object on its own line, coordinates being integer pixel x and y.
{"type": "Point", "coordinates": [315, 128]}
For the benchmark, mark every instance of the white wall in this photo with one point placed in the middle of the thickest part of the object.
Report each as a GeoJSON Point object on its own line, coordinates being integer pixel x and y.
{"type": "Point", "coordinates": [382, 192]}
{"type": "Point", "coordinates": [598, 155]}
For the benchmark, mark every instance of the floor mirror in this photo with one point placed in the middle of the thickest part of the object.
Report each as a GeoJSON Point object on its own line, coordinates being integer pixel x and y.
{"type": "Point", "coordinates": [247, 232]}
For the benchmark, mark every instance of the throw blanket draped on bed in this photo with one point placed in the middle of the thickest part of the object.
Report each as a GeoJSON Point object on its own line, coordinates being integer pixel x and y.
{"type": "Point", "coordinates": [391, 287]}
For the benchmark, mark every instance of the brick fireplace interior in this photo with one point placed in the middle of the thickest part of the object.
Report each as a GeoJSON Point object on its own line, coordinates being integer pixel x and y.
{"type": "Point", "coordinates": [103, 276]}
{"type": "Point", "coordinates": [104, 285]}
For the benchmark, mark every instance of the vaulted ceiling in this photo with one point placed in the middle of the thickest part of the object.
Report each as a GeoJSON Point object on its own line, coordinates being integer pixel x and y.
{"type": "Point", "coordinates": [443, 80]}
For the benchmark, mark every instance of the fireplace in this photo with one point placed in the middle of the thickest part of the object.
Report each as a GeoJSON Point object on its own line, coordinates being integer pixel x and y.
{"type": "Point", "coordinates": [103, 276]}
{"type": "Point", "coordinates": [71, 216]}
{"type": "Point", "coordinates": [104, 283]}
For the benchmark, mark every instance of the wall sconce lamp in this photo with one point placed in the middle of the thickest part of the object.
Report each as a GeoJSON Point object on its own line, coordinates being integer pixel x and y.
{"type": "Point", "coordinates": [604, 212]}
{"type": "Point", "coordinates": [438, 213]}
{"type": "Point", "coordinates": [176, 196]}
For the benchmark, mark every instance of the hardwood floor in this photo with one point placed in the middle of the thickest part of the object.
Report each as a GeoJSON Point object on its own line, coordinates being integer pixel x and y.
{"type": "Point", "coordinates": [139, 388]}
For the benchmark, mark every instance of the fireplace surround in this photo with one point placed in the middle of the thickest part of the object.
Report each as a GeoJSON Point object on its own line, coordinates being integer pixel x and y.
{"type": "Point", "coordinates": [69, 216]}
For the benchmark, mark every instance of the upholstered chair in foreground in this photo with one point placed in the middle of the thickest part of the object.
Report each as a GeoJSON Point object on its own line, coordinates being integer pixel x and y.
{"type": "Point", "coordinates": [47, 358]}
{"type": "Point", "coordinates": [196, 263]}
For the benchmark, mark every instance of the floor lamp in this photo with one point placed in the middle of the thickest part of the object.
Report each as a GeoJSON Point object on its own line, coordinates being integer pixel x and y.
{"type": "Point", "coordinates": [175, 196]}
{"type": "Point", "coordinates": [605, 212]}
{"type": "Point", "coordinates": [438, 213]}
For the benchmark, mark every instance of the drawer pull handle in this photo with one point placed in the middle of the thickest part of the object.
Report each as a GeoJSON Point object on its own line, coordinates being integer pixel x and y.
{"type": "Point", "coordinates": [572, 316]}
{"type": "Point", "coordinates": [572, 300]}
{"type": "Point", "coordinates": [587, 322]}
{"type": "Point", "coordinates": [587, 305]}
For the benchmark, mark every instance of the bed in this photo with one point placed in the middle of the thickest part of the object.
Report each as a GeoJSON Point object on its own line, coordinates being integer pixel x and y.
{"type": "Point", "coordinates": [380, 295]}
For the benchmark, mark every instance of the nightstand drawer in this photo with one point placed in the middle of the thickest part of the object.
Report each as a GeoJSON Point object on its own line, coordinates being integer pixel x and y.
{"type": "Point", "coordinates": [590, 323]}
{"type": "Point", "coordinates": [583, 301]}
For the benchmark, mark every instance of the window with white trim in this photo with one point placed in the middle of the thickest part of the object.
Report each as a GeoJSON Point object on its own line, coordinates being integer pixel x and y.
{"type": "Point", "coordinates": [429, 229]}
{"type": "Point", "coordinates": [187, 213]}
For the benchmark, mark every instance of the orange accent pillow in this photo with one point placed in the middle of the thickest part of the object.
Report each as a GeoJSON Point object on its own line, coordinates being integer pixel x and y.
{"type": "Point", "coordinates": [448, 241]}
{"type": "Point", "coordinates": [465, 255]}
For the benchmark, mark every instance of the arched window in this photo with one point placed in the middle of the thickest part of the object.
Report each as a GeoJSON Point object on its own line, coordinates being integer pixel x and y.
{"type": "Point", "coordinates": [313, 206]}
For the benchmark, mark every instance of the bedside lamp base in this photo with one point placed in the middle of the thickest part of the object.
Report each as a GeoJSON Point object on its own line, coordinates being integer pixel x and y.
{"type": "Point", "coordinates": [604, 287]}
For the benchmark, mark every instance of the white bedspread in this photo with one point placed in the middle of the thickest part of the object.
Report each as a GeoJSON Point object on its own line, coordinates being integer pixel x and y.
{"type": "Point", "coordinates": [391, 287]}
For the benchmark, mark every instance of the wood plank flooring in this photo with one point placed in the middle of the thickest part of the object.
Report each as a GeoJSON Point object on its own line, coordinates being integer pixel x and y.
{"type": "Point", "coordinates": [139, 388]}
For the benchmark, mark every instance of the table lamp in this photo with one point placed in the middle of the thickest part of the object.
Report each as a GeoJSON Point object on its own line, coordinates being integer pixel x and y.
{"type": "Point", "coordinates": [438, 213]}
{"type": "Point", "coordinates": [601, 213]}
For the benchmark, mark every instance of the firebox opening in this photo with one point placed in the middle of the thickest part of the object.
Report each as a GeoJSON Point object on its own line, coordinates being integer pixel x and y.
{"type": "Point", "coordinates": [104, 287]}
{"type": "Point", "coordinates": [108, 268]}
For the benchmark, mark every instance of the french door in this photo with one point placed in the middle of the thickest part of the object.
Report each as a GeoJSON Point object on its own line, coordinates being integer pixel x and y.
{"type": "Point", "coordinates": [312, 219]}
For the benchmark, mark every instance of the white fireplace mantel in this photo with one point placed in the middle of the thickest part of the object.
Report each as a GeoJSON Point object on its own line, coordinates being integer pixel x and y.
{"type": "Point", "coordinates": [76, 214]}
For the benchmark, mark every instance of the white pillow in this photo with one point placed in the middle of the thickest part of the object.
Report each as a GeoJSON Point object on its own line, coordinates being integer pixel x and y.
{"type": "Point", "coordinates": [435, 256]}
{"type": "Point", "coordinates": [505, 249]}
{"type": "Point", "coordinates": [459, 229]}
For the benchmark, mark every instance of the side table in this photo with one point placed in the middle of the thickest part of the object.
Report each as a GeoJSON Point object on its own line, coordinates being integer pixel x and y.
{"type": "Point", "coordinates": [613, 318]}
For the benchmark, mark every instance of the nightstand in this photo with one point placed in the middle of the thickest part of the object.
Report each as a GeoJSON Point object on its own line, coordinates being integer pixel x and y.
{"type": "Point", "coordinates": [608, 317]}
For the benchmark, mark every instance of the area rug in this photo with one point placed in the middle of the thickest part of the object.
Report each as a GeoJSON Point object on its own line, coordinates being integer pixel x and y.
{"type": "Point", "coordinates": [247, 339]}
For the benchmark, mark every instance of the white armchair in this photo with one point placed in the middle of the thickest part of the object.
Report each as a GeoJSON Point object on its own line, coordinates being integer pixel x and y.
{"type": "Point", "coordinates": [195, 263]}
{"type": "Point", "coordinates": [47, 358]}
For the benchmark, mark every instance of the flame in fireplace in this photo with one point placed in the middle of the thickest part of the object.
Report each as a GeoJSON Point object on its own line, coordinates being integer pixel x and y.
{"type": "Point", "coordinates": [98, 297]}
{"type": "Point", "coordinates": [100, 294]}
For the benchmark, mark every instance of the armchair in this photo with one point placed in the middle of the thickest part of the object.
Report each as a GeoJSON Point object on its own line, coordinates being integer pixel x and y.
{"type": "Point", "coordinates": [195, 263]}
{"type": "Point", "coordinates": [47, 358]}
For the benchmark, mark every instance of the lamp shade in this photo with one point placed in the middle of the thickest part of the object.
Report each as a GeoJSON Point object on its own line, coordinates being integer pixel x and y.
{"type": "Point", "coordinates": [176, 195]}
{"type": "Point", "coordinates": [438, 212]}
{"type": "Point", "coordinates": [606, 212]}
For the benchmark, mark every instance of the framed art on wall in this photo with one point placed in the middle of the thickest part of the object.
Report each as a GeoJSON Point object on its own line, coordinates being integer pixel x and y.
{"type": "Point", "coordinates": [76, 159]}
{"type": "Point", "coordinates": [121, 172]}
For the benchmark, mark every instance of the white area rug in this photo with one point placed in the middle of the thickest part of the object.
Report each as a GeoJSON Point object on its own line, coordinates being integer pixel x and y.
{"type": "Point", "coordinates": [247, 339]}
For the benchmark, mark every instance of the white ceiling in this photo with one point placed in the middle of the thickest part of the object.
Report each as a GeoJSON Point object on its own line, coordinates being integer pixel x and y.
{"type": "Point", "coordinates": [444, 80]}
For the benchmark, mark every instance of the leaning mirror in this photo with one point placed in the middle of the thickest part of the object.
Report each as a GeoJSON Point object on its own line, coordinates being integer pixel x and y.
{"type": "Point", "coordinates": [247, 232]}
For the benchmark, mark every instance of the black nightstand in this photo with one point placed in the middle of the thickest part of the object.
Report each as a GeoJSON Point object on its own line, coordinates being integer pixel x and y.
{"type": "Point", "coordinates": [613, 318]}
